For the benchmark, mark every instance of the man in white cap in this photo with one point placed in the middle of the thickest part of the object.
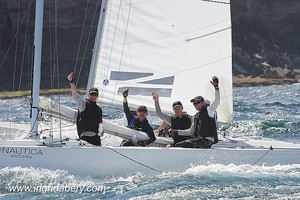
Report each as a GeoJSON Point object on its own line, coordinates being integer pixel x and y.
{"type": "Point", "coordinates": [89, 116]}
{"type": "Point", "coordinates": [204, 128]}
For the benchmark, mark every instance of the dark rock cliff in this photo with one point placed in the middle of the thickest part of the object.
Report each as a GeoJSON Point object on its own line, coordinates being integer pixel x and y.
{"type": "Point", "coordinates": [266, 40]}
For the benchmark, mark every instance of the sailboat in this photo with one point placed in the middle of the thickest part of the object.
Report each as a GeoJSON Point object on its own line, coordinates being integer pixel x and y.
{"type": "Point", "coordinates": [172, 47]}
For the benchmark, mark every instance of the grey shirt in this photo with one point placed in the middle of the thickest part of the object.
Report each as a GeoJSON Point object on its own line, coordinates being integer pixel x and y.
{"type": "Point", "coordinates": [161, 115]}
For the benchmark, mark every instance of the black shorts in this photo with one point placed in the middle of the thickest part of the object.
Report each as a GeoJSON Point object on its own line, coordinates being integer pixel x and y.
{"type": "Point", "coordinates": [94, 140]}
{"type": "Point", "coordinates": [201, 143]}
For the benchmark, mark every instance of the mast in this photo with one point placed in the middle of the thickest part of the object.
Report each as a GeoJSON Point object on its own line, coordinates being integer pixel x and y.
{"type": "Point", "coordinates": [38, 32]}
{"type": "Point", "coordinates": [97, 44]}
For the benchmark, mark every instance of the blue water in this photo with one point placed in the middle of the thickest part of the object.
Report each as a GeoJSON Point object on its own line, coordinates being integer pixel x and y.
{"type": "Point", "coordinates": [259, 112]}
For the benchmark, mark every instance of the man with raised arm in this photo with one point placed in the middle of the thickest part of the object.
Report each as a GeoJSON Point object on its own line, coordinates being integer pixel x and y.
{"type": "Point", "coordinates": [89, 116]}
{"type": "Point", "coordinates": [180, 119]}
{"type": "Point", "coordinates": [204, 128]}
{"type": "Point", "coordinates": [137, 122]}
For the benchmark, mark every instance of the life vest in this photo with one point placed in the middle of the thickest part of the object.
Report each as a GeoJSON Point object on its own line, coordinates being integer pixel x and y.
{"type": "Point", "coordinates": [181, 123]}
{"type": "Point", "coordinates": [204, 125]}
{"type": "Point", "coordinates": [89, 119]}
{"type": "Point", "coordinates": [137, 125]}
{"type": "Point", "coordinates": [132, 122]}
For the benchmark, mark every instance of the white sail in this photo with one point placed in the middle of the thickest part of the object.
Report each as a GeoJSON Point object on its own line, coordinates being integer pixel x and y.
{"type": "Point", "coordinates": [172, 47]}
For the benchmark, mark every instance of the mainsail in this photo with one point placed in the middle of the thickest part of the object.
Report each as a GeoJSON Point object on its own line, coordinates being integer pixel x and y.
{"type": "Point", "coordinates": [172, 47]}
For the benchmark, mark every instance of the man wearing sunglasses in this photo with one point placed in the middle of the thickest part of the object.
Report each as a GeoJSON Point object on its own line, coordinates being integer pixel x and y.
{"type": "Point", "coordinates": [89, 116]}
{"type": "Point", "coordinates": [204, 128]}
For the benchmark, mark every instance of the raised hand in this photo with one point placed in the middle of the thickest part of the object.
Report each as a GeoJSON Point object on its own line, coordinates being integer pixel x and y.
{"type": "Point", "coordinates": [215, 82]}
{"type": "Point", "coordinates": [125, 93]}
{"type": "Point", "coordinates": [155, 96]}
{"type": "Point", "coordinates": [71, 78]}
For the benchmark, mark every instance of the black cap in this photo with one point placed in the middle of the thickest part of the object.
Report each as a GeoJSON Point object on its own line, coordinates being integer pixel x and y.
{"type": "Point", "coordinates": [142, 109]}
{"type": "Point", "coordinates": [197, 98]}
{"type": "Point", "coordinates": [177, 103]}
{"type": "Point", "coordinates": [93, 91]}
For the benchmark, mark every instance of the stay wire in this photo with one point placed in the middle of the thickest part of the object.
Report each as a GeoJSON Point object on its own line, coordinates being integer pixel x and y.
{"type": "Point", "coordinates": [81, 35]}
{"type": "Point", "coordinates": [156, 170]}
{"type": "Point", "coordinates": [57, 65]}
{"type": "Point", "coordinates": [18, 29]}
{"type": "Point", "coordinates": [35, 120]}
{"type": "Point", "coordinates": [271, 148]}
{"type": "Point", "coordinates": [87, 42]}
{"type": "Point", "coordinates": [270, 33]}
{"type": "Point", "coordinates": [211, 1]}
{"type": "Point", "coordinates": [16, 48]}
{"type": "Point", "coordinates": [50, 47]}
{"type": "Point", "coordinates": [23, 56]}
{"type": "Point", "coordinates": [123, 46]}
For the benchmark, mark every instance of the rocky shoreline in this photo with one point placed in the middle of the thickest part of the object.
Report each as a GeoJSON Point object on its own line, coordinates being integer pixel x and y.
{"type": "Point", "coordinates": [242, 81]}
{"type": "Point", "coordinates": [238, 81]}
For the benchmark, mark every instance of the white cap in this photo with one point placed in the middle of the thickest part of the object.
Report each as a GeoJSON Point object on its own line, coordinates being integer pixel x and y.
{"type": "Point", "coordinates": [207, 102]}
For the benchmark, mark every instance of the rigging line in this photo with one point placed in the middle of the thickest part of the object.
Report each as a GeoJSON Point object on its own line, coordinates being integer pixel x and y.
{"type": "Point", "coordinates": [269, 30]}
{"type": "Point", "coordinates": [271, 148]}
{"type": "Point", "coordinates": [30, 56]}
{"type": "Point", "coordinates": [174, 35]}
{"type": "Point", "coordinates": [108, 56]}
{"type": "Point", "coordinates": [87, 42]}
{"type": "Point", "coordinates": [23, 56]}
{"type": "Point", "coordinates": [16, 48]}
{"type": "Point", "coordinates": [50, 47]}
{"type": "Point", "coordinates": [156, 170]}
{"type": "Point", "coordinates": [106, 61]}
{"type": "Point", "coordinates": [123, 46]}
{"type": "Point", "coordinates": [211, 1]}
{"type": "Point", "coordinates": [18, 28]}
{"type": "Point", "coordinates": [57, 64]}
{"type": "Point", "coordinates": [81, 34]}
{"type": "Point", "coordinates": [35, 120]}
{"type": "Point", "coordinates": [16, 52]}
{"type": "Point", "coordinates": [187, 40]}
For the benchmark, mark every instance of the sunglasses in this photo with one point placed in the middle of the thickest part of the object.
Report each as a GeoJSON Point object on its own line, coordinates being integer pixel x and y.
{"type": "Point", "coordinates": [142, 111]}
{"type": "Point", "coordinates": [196, 102]}
{"type": "Point", "coordinates": [93, 94]}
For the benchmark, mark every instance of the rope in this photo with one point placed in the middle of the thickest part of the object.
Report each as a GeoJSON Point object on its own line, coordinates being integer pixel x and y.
{"type": "Point", "coordinates": [123, 42]}
{"type": "Point", "coordinates": [144, 165]}
{"type": "Point", "coordinates": [228, 28]}
{"type": "Point", "coordinates": [271, 148]}
{"type": "Point", "coordinates": [23, 56]}
{"type": "Point", "coordinates": [16, 50]}
{"type": "Point", "coordinates": [18, 28]}
{"type": "Point", "coordinates": [216, 1]}
{"type": "Point", "coordinates": [87, 42]}
{"type": "Point", "coordinates": [269, 30]}
{"type": "Point", "coordinates": [78, 50]}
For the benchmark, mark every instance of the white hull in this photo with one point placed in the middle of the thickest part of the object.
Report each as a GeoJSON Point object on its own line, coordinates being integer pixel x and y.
{"type": "Point", "coordinates": [122, 161]}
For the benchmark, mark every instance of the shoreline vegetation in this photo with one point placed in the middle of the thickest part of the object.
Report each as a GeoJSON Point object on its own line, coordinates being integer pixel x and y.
{"type": "Point", "coordinates": [238, 81]}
